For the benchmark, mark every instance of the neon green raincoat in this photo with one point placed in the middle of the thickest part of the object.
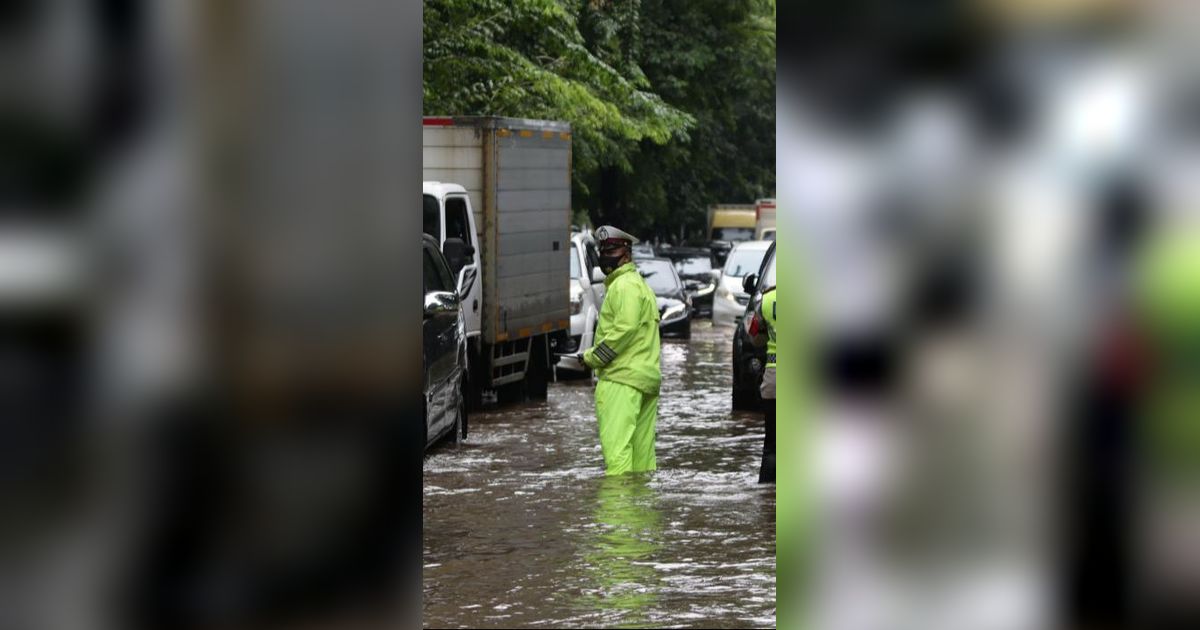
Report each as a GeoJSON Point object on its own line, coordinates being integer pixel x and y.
{"type": "Point", "coordinates": [626, 360]}
{"type": "Point", "coordinates": [1169, 301]}
{"type": "Point", "coordinates": [767, 310]}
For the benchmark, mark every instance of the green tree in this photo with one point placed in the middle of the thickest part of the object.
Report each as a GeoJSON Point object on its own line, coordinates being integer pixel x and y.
{"type": "Point", "coordinates": [672, 101]}
{"type": "Point", "coordinates": [714, 59]}
{"type": "Point", "coordinates": [527, 58]}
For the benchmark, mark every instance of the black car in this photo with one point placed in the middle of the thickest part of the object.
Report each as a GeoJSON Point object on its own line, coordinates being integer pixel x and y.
{"type": "Point", "coordinates": [642, 250]}
{"type": "Point", "coordinates": [674, 305]}
{"type": "Point", "coordinates": [749, 361]}
{"type": "Point", "coordinates": [720, 251]}
{"type": "Point", "coordinates": [695, 268]}
{"type": "Point", "coordinates": [443, 351]}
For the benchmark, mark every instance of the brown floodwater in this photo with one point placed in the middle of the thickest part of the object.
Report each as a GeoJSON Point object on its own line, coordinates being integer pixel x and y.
{"type": "Point", "coordinates": [522, 528]}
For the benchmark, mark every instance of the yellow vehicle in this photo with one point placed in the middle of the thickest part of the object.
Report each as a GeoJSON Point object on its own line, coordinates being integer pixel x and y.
{"type": "Point", "coordinates": [731, 222]}
{"type": "Point", "coordinates": [727, 224]}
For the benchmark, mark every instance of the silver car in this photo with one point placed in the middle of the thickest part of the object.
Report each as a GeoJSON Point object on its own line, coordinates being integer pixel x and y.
{"type": "Point", "coordinates": [587, 294]}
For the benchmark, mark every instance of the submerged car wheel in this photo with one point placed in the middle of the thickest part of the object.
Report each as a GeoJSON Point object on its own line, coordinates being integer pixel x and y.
{"type": "Point", "coordinates": [463, 412]}
{"type": "Point", "coordinates": [456, 431]}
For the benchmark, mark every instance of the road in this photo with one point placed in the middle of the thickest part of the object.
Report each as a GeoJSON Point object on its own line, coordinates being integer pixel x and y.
{"type": "Point", "coordinates": [522, 529]}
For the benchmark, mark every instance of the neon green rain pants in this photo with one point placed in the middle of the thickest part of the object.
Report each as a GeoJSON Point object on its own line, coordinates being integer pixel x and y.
{"type": "Point", "coordinates": [627, 419]}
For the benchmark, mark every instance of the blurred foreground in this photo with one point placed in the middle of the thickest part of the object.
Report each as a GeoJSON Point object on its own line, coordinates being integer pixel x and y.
{"type": "Point", "coordinates": [995, 217]}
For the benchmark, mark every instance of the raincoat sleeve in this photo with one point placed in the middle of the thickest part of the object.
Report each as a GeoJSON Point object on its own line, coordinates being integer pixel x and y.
{"type": "Point", "coordinates": [618, 328]}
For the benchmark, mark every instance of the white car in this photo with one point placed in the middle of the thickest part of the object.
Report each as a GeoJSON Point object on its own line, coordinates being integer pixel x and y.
{"type": "Point", "coordinates": [730, 300]}
{"type": "Point", "coordinates": [587, 293]}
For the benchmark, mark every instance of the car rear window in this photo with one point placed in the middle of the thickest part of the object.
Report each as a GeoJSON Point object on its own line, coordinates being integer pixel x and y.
{"type": "Point", "coordinates": [744, 261]}
{"type": "Point", "coordinates": [693, 265]}
{"type": "Point", "coordinates": [659, 276]}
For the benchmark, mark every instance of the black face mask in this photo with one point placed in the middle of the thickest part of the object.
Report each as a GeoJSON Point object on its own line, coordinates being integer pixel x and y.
{"type": "Point", "coordinates": [609, 264]}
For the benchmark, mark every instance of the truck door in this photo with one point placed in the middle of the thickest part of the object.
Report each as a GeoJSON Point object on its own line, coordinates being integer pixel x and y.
{"type": "Point", "coordinates": [458, 225]}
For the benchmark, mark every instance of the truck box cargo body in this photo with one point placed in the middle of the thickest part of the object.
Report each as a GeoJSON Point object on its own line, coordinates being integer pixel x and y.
{"type": "Point", "coordinates": [731, 221]}
{"type": "Point", "coordinates": [517, 176]}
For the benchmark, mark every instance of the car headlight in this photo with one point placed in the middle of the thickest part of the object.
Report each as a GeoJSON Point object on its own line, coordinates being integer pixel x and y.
{"type": "Point", "coordinates": [705, 290]}
{"type": "Point", "coordinates": [674, 311]}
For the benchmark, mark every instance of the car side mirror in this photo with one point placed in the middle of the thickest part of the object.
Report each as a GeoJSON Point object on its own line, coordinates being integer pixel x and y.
{"type": "Point", "coordinates": [749, 283]}
{"type": "Point", "coordinates": [597, 275]}
{"type": "Point", "coordinates": [457, 253]}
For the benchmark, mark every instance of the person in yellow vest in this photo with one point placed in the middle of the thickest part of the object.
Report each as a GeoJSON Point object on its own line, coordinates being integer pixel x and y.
{"type": "Point", "coordinates": [763, 330]}
{"type": "Point", "coordinates": [625, 358]}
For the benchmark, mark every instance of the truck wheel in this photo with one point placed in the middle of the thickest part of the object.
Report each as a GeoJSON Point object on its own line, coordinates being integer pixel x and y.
{"type": "Point", "coordinates": [511, 394]}
{"type": "Point", "coordinates": [537, 383]}
{"type": "Point", "coordinates": [473, 389]}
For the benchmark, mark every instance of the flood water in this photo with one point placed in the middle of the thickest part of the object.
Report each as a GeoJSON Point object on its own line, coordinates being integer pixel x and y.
{"type": "Point", "coordinates": [522, 528]}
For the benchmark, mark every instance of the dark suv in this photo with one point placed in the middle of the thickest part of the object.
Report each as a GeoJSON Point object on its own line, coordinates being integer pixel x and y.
{"type": "Point", "coordinates": [695, 268]}
{"type": "Point", "coordinates": [443, 350]}
{"type": "Point", "coordinates": [749, 361]}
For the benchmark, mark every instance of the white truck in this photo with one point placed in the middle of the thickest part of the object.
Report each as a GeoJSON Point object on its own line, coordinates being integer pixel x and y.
{"type": "Point", "coordinates": [497, 197]}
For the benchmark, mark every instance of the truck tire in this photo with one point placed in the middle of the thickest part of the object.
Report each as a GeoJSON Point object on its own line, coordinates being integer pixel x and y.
{"type": "Point", "coordinates": [536, 375]}
{"type": "Point", "coordinates": [511, 394]}
{"type": "Point", "coordinates": [473, 389]}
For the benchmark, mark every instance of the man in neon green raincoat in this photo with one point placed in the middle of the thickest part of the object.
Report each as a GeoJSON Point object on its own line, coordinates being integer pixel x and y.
{"type": "Point", "coordinates": [763, 331]}
{"type": "Point", "coordinates": [625, 357]}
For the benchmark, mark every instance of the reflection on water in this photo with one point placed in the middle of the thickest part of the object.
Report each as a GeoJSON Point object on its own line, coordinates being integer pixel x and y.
{"type": "Point", "coordinates": [522, 528]}
{"type": "Point", "coordinates": [619, 557]}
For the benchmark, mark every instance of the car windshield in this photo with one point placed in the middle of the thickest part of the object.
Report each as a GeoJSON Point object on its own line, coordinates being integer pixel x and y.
{"type": "Point", "coordinates": [743, 261]}
{"type": "Point", "coordinates": [732, 234]}
{"type": "Point", "coordinates": [658, 275]}
{"type": "Point", "coordinates": [574, 264]}
{"type": "Point", "coordinates": [693, 265]}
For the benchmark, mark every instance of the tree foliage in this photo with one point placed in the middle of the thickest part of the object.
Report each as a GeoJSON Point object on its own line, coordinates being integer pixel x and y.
{"type": "Point", "coordinates": [671, 101]}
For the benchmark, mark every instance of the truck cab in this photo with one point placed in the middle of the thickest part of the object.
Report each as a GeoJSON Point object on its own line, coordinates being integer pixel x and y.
{"type": "Point", "coordinates": [764, 224]}
{"type": "Point", "coordinates": [447, 215]}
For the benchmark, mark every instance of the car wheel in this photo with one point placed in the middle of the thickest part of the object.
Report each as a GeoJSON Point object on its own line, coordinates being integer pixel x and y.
{"type": "Point", "coordinates": [424, 427]}
{"type": "Point", "coordinates": [456, 431]}
{"type": "Point", "coordinates": [463, 412]}
{"type": "Point", "coordinates": [739, 397]}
